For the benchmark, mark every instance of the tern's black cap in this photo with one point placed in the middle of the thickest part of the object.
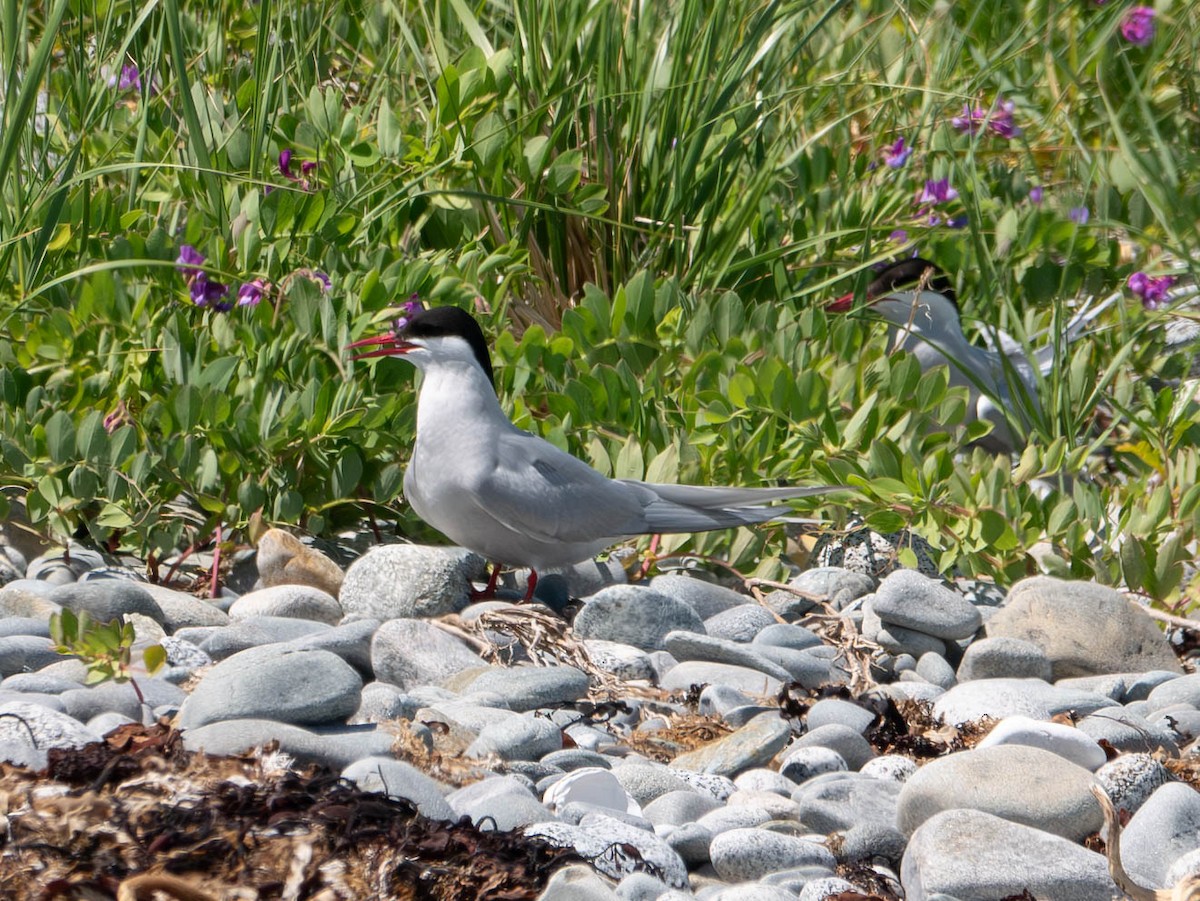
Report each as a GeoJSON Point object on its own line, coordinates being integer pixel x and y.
{"type": "Point", "coordinates": [908, 274]}
{"type": "Point", "coordinates": [449, 322]}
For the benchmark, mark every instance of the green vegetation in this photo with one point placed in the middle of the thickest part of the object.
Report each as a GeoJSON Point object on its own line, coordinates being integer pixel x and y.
{"type": "Point", "coordinates": [105, 648]}
{"type": "Point", "coordinates": [649, 204]}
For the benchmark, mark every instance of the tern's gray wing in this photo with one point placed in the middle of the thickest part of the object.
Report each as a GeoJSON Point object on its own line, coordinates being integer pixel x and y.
{"type": "Point", "coordinates": [699, 508]}
{"type": "Point", "coordinates": [538, 490]}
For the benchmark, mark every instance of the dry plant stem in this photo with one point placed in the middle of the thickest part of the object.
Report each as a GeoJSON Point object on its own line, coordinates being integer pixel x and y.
{"type": "Point", "coordinates": [1172, 619]}
{"type": "Point", "coordinates": [215, 584]}
{"type": "Point", "coordinates": [145, 887]}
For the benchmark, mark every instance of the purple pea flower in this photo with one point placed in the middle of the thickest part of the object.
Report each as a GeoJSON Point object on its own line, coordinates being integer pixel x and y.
{"type": "Point", "coordinates": [1152, 291]}
{"type": "Point", "coordinates": [1035, 195]}
{"type": "Point", "coordinates": [285, 163]}
{"type": "Point", "coordinates": [1138, 26]}
{"type": "Point", "coordinates": [285, 169]}
{"type": "Point", "coordinates": [897, 154]}
{"type": "Point", "coordinates": [937, 192]}
{"type": "Point", "coordinates": [250, 293]}
{"type": "Point", "coordinates": [998, 119]}
{"type": "Point", "coordinates": [130, 79]}
{"type": "Point", "coordinates": [958, 221]}
{"type": "Point", "coordinates": [190, 260]}
{"type": "Point", "coordinates": [407, 309]}
{"type": "Point", "coordinates": [208, 293]}
{"type": "Point", "coordinates": [325, 281]}
{"type": "Point", "coordinates": [1079, 215]}
{"type": "Point", "coordinates": [900, 235]}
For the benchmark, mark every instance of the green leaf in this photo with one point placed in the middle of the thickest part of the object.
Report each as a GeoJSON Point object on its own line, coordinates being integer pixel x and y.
{"type": "Point", "coordinates": [564, 173]}
{"type": "Point", "coordinates": [60, 437]}
{"type": "Point", "coordinates": [155, 658]}
{"type": "Point", "coordinates": [1134, 567]}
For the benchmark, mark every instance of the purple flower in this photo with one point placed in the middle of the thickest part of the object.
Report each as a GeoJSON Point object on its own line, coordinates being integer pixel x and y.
{"type": "Point", "coordinates": [900, 235]}
{"type": "Point", "coordinates": [285, 169]}
{"type": "Point", "coordinates": [1079, 215]}
{"type": "Point", "coordinates": [325, 281]}
{"type": "Point", "coordinates": [285, 163]}
{"type": "Point", "coordinates": [130, 78]}
{"type": "Point", "coordinates": [250, 293]}
{"type": "Point", "coordinates": [307, 166]}
{"type": "Point", "coordinates": [1035, 195]}
{"type": "Point", "coordinates": [937, 192]}
{"type": "Point", "coordinates": [117, 418]}
{"type": "Point", "coordinates": [408, 308]}
{"type": "Point", "coordinates": [958, 221]}
{"type": "Point", "coordinates": [207, 293]}
{"type": "Point", "coordinates": [1138, 26]}
{"type": "Point", "coordinates": [1152, 291]}
{"type": "Point", "coordinates": [190, 260]}
{"type": "Point", "coordinates": [998, 119]}
{"type": "Point", "coordinates": [897, 154]}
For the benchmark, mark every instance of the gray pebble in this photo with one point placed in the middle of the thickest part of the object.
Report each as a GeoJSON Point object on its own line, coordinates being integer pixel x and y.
{"type": "Point", "coordinates": [526, 737]}
{"type": "Point", "coordinates": [1131, 779]}
{"type": "Point", "coordinates": [908, 599]}
{"type": "Point", "coordinates": [740, 623]}
{"type": "Point", "coordinates": [744, 854]}
{"type": "Point", "coordinates": [331, 747]}
{"type": "Point", "coordinates": [409, 581]}
{"type": "Point", "coordinates": [853, 748]}
{"type": "Point", "coordinates": [634, 615]}
{"type": "Point", "coordinates": [527, 688]}
{"type": "Point", "coordinates": [829, 711]}
{"type": "Point", "coordinates": [107, 598]}
{"type": "Point", "coordinates": [412, 652]}
{"type": "Point", "coordinates": [225, 641]}
{"type": "Point", "coordinates": [996, 657]}
{"type": "Point", "coordinates": [398, 779]}
{"type": "Point", "coordinates": [703, 597]}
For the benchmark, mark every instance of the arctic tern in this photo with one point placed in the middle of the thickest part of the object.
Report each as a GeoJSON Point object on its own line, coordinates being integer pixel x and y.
{"type": "Point", "coordinates": [919, 304]}
{"type": "Point", "coordinates": [513, 497]}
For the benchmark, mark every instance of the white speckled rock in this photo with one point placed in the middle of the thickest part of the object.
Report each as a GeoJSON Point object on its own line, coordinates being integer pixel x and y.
{"type": "Point", "coordinates": [405, 580]}
{"type": "Point", "coordinates": [743, 854]}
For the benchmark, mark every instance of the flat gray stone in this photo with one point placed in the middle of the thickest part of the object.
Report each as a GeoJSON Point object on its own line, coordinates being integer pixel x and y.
{"type": "Point", "coordinates": [412, 652]}
{"type": "Point", "coordinates": [908, 599]}
{"type": "Point", "coordinates": [739, 623]}
{"type": "Point", "coordinates": [382, 702]}
{"type": "Point", "coordinates": [225, 641]}
{"type": "Point", "coordinates": [627, 663]}
{"type": "Point", "coordinates": [398, 779]}
{"type": "Point", "coordinates": [679, 807]}
{"type": "Point", "coordinates": [1083, 627]}
{"type": "Point", "coordinates": [753, 745]}
{"type": "Point", "coordinates": [803, 764]}
{"type": "Point", "coordinates": [698, 672]}
{"type": "Point", "coordinates": [745, 854]}
{"type": "Point", "coordinates": [295, 601]}
{"type": "Point", "coordinates": [351, 641]}
{"type": "Point", "coordinates": [841, 801]}
{"type": "Point", "coordinates": [896, 639]}
{"type": "Point", "coordinates": [525, 688]}
{"type": "Point", "coordinates": [761, 779]}
{"type": "Point", "coordinates": [26, 653]}
{"type": "Point", "coordinates": [834, 583]}
{"type": "Point", "coordinates": [787, 635]}
{"type": "Point", "coordinates": [32, 725]}
{"type": "Point", "coordinates": [277, 683]}
{"type": "Point", "coordinates": [685, 646]}
{"type": "Point", "coordinates": [1183, 690]}
{"type": "Point", "coordinates": [25, 625]}
{"type": "Point", "coordinates": [113, 697]}
{"type": "Point", "coordinates": [526, 737]}
{"type": "Point", "coordinates": [998, 698]}
{"type": "Point", "coordinates": [970, 855]}
{"type": "Point", "coordinates": [502, 803]}
{"type": "Point", "coordinates": [181, 610]}
{"type": "Point", "coordinates": [409, 581]}
{"type": "Point", "coordinates": [1131, 779]}
{"type": "Point", "coordinates": [844, 713]}
{"type": "Point", "coordinates": [595, 838]}
{"type": "Point", "coordinates": [644, 782]}
{"type": "Point", "coordinates": [1022, 784]}
{"type": "Point", "coordinates": [42, 683]}
{"type": "Point", "coordinates": [853, 748]}
{"type": "Point", "coordinates": [804, 666]}
{"type": "Point", "coordinates": [703, 597]}
{"type": "Point", "coordinates": [934, 669]}
{"type": "Point", "coordinates": [333, 748]}
{"type": "Point", "coordinates": [1128, 732]}
{"type": "Point", "coordinates": [634, 615]}
{"type": "Point", "coordinates": [106, 599]}
{"type": "Point", "coordinates": [997, 657]}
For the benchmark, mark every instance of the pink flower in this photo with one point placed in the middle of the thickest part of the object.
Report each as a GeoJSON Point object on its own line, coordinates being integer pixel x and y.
{"type": "Point", "coordinates": [998, 119]}
{"type": "Point", "coordinates": [1138, 26]}
{"type": "Point", "coordinates": [1152, 291]}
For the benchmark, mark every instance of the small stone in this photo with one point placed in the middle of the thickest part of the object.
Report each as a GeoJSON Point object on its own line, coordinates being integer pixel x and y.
{"type": "Point", "coordinates": [787, 635]}
{"type": "Point", "coordinates": [840, 801]}
{"type": "Point", "coordinates": [1164, 828]}
{"type": "Point", "coordinates": [600, 839]}
{"type": "Point", "coordinates": [867, 841]}
{"type": "Point", "coordinates": [526, 688]}
{"type": "Point", "coordinates": [853, 748]}
{"type": "Point", "coordinates": [624, 661]}
{"type": "Point", "coordinates": [1127, 732]}
{"type": "Point", "coordinates": [845, 713]}
{"type": "Point", "coordinates": [26, 653]}
{"type": "Point", "coordinates": [645, 782]}
{"type": "Point", "coordinates": [998, 698]}
{"type": "Point", "coordinates": [225, 641]}
{"type": "Point", "coordinates": [697, 672]}
{"type": "Point", "coordinates": [685, 646]}
{"type": "Point", "coordinates": [283, 559]}
{"type": "Point", "coordinates": [753, 745]}
{"type": "Point", "coordinates": [703, 597]}
{"type": "Point", "coordinates": [970, 854]}
{"type": "Point", "coordinates": [803, 764]}
{"type": "Point", "coordinates": [521, 738]}
{"type": "Point", "coordinates": [820, 889]}
{"type": "Point", "coordinates": [678, 807]}
{"type": "Point", "coordinates": [634, 615]}
{"type": "Point", "coordinates": [1004, 658]}
{"type": "Point", "coordinates": [714, 784]}
{"type": "Point", "coordinates": [409, 581]}
{"type": "Point", "coordinates": [745, 854]}
{"type": "Point", "coordinates": [502, 803]}
{"type": "Point", "coordinates": [296, 601]}
{"type": "Point", "coordinates": [86, 703]}
{"type": "Point", "coordinates": [25, 723]}
{"type": "Point", "coordinates": [874, 554]}
{"type": "Point", "coordinates": [1065, 741]}
{"type": "Point", "coordinates": [411, 652]}
{"type": "Point", "coordinates": [27, 598]}
{"type": "Point", "coordinates": [690, 841]}
{"type": "Point", "coordinates": [1084, 628]}
{"type": "Point", "coordinates": [889, 766]}
{"type": "Point", "coordinates": [910, 600]}
{"type": "Point", "coordinates": [762, 779]}
{"type": "Point", "coordinates": [382, 702]}
{"type": "Point", "coordinates": [333, 748]}
{"type": "Point", "coordinates": [1182, 690]}
{"type": "Point", "coordinates": [739, 623]}
{"type": "Point", "coordinates": [398, 779]}
{"type": "Point", "coordinates": [1022, 784]}
{"type": "Point", "coordinates": [291, 686]}
{"type": "Point", "coordinates": [1131, 779]}
{"type": "Point", "coordinates": [577, 882]}
{"type": "Point", "coordinates": [934, 669]}
{"type": "Point", "coordinates": [107, 599]}
{"type": "Point", "coordinates": [181, 610]}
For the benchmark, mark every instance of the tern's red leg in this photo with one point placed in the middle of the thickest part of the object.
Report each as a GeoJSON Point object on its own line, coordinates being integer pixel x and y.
{"type": "Point", "coordinates": [531, 586]}
{"type": "Point", "coordinates": [490, 591]}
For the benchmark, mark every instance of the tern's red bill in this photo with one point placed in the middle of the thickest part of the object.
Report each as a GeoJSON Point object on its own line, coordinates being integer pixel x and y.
{"type": "Point", "coordinates": [842, 304]}
{"type": "Point", "coordinates": [385, 346]}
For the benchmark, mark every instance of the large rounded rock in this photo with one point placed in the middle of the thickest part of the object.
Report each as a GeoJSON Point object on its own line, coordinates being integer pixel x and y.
{"type": "Point", "coordinates": [407, 580]}
{"type": "Point", "coordinates": [746, 854]}
{"type": "Point", "coordinates": [974, 856]}
{"type": "Point", "coordinates": [283, 559]}
{"type": "Point", "coordinates": [1019, 783]}
{"type": "Point", "coordinates": [275, 683]}
{"type": "Point", "coordinates": [635, 616]}
{"type": "Point", "coordinates": [106, 599]}
{"type": "Point", "coordinates": [753, 745]}
{"type": "Point", "coordinates": [998, 698]}
{"type": "Point", "coordinates": [705, 598]}
{"type": "Point", "coordinates": [398, 779]}
{"type": "Point", "coordinates": [1084, 628]}
{"type": "Point", "coordinates": [1165, 828]}
{"type": "Point", "coordinates": [412, 652]}
{"type": "Point", "coordinates": [296, 601]}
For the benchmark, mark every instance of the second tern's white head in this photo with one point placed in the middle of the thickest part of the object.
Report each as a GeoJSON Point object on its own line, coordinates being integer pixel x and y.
{"type": "Point", "coordinates": [514, 497]}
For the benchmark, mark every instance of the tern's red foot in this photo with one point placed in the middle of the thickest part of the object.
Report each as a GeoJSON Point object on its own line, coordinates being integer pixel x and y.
{"type": "Point", "coordinates": [490, 591]}
{"type": "Point", "coordinates": [531, 586]}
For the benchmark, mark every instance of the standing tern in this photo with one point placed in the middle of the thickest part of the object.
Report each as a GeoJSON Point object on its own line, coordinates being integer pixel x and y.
{"type": "Point", "coordinates": [918, 302]}
{"type": "Point", "coordinates": [513, 497]}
